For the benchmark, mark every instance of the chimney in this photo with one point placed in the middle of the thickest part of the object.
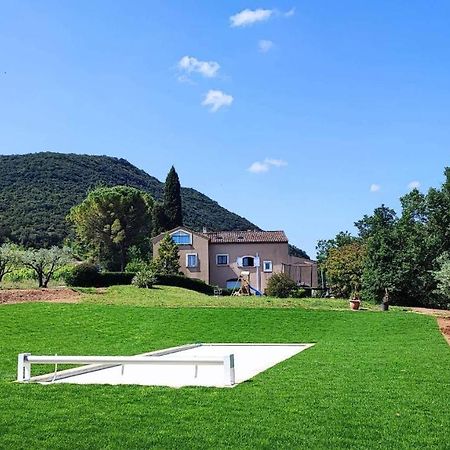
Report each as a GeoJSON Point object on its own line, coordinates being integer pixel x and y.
{"type": "Point", "coordinates": [205, 230]}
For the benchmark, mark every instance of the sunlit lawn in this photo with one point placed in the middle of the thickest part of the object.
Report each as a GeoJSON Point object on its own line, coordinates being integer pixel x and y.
{"type": "Point", "coordinates": [373, 380]}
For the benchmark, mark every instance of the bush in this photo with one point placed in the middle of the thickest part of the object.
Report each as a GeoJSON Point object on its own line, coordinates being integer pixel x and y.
{"type": "Point", "coordinates": [144, 279]}
{"type": "Point", "coordinates": [280, 285]}
{"type": "Point", "coordinates": [18, 275]}
{"type": "Point", "coordinates": [82, 275]}
{"type": "Point", "coordinates": [137, 265]}
{"type": "Point", "coordinates": [88, 275]}
{"type": "Point", "coordinates": [300, 293]}
{"type": "Point", "coordinates": [188, 283]}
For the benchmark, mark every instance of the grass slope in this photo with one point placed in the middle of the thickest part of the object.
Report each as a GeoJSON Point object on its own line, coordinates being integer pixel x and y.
{"type": "Point", "coordinates": [373, 380]}
{"type": "Point", "coordinates": [173, 297]}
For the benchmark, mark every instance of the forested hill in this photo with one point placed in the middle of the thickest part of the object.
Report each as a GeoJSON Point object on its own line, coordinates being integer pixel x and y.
{"type": "Point", "coordinates": [37, 190]}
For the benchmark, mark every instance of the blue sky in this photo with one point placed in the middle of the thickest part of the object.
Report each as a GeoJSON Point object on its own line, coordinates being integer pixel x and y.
{"type": "Point", "coordinates": [324, 109]}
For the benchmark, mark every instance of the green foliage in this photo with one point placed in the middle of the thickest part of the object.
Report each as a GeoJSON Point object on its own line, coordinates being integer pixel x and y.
{"type": "Point", "coordinates": [324, 246]}
{"type": "Point", "coordinates": [403, 253]}
{"type": "Point", "coordinates": [37, 191]}
{"type": "Point", "coordinates": [88, 275]}
{"type": "Point", "coordinates": [172, 200]}
{"type": "Point", "coordinates": [9, 258]}
{"type": "Point", "coordinates": [167, 261]}
{"type": "Point", "coordinates": [45, 262]}
{"type": "Point", "coordinates": [145, 278]}
{"type": "Point", "coordinates": [159, 219]}
{"type": "Point", "coordinates": [299, 293]}
{"type": "Point", "coordinates": [184, 282]}
{"type": "Point", "coordinates": [20, 274]}
{"type": "Point", "coordinates": [344, 267]}
{"type": "Point", "coordinates": [111, 220]}
{"type": "Point", "coordinates": [442, 277]}
{"type": "Point", "coordinates": [280, 285]}
{"type": "Point", "coordinates": [82, 275]}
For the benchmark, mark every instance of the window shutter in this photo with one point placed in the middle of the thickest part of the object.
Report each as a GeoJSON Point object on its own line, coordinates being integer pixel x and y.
{"type": "Point", "coordinates": [239, 262]}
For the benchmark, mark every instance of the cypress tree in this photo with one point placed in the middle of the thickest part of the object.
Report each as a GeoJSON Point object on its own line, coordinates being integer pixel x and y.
{"type": "Point", "coordinates": [172, 200]}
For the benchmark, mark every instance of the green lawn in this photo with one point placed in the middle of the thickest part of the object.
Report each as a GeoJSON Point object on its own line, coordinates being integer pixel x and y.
{"type": "Point", "coordinates": [172, 297]}
{"type": "Point", "coordinates": [373, 380]}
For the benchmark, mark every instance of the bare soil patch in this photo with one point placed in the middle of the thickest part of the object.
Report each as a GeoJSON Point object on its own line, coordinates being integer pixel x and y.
{"type": "Point", "coordinates": [54, 295]}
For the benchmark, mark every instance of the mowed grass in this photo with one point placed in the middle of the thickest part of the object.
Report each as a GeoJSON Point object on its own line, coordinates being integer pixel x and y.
{"type": "Point", "coordinates": [373, 380]}
{"type": "Point", "coordinates": [173, 297]}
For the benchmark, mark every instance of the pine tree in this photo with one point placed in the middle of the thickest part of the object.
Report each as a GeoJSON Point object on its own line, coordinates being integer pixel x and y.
{"type": "Point", "coordinates": [172, 200]}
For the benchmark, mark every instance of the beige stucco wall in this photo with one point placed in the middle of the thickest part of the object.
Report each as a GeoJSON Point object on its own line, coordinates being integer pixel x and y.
{"type": "Point", "coordinates": [275, 252]}
{"type": "Point", "coordinates": [200, 247]}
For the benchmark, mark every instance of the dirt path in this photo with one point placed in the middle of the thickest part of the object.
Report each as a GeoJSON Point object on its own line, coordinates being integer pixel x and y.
{"type": "Point", "coordinates": [442, 317]}
{"type": "Point", "coordinates": [54, 295]}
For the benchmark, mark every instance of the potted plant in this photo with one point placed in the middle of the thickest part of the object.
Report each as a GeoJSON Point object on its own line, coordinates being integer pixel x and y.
{"type": "Point", "coordinates": [355, 300]}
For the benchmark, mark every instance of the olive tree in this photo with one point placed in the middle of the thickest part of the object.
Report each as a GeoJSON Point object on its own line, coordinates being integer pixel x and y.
{"type": "Point", "coordinates": [9, 258]}
{"type": "Point", "coordinates": [44, 262]}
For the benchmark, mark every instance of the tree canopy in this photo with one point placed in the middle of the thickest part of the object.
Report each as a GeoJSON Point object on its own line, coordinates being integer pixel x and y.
{"type": "Point", "coordinates": [111, 220]}
{"type": "Point", "coordinates": [405, 255]}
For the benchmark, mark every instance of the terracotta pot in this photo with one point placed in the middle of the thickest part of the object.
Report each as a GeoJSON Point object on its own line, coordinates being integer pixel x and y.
{"type": "Point", "coordinates": [354, 304]}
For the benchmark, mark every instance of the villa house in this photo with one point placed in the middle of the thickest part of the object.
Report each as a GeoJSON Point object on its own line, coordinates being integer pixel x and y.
{"type": "Point", "coordinates": [219, 257]}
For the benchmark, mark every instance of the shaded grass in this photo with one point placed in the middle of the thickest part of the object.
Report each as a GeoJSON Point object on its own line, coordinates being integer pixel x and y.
{"type": "Point", "coordinates": [373, 380]}
{"type": "Point", "coordinates": [173, 297]}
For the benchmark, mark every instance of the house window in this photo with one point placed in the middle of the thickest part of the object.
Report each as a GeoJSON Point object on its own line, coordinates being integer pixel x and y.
{"type": "Point", "coordinates": [248, 261]}
{"type": "Point", "coordinates": [182, 238]}
{"type": "Point", "coordinates": [222, 260]}
{"type": "Point", "coordinates": [267, 266]}
{"type": "Point", "coordinates": [191, 260]}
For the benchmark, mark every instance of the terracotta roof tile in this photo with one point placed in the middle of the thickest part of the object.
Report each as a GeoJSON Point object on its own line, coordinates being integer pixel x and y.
{"type": "Point", "coordinates": [217, 237]}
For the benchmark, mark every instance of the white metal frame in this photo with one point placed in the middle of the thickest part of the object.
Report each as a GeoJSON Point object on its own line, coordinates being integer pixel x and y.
{"type": "Point", "coordinates": [94, 363]}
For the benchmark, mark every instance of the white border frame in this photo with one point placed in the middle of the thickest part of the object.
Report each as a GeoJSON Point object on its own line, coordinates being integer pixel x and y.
{"type": "Point", "coordinates": [182, 231]}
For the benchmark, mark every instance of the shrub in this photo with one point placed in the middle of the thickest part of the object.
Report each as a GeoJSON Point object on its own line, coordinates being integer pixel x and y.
{"type": "Point", "coordinates": [144, 279]}
{"type": "Point", "coordinates": [300, 293]}
{"type": "Point", "coordinates": [20, 275]}
{"type": "Point", "coordinates": [280, 285]}
{"type": "Point", "coordinates": [188, 283]}
{"type": "Point", "coordinates": [88, 275]}
{"type": "Point", "coordinates": [83, 275]}
{"type": "Point", "coordinates": [137, 265]}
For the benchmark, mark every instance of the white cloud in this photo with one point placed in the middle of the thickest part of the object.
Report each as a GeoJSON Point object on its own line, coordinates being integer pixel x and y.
{"type": "Point", "coordinates": [190, 64]}
{"type": "Point", "coordinates": [249, 17]}
{"type": "Point", "coordinates": [265, 45]}
{"type": "Point", "coordinates": [414, 185]}
{"type": "Point", "coordinates": [375, 187]}
{"type": "Point", "coordinates": [216, 99]}
{"type": "Point", "coordinates": [266, 165]}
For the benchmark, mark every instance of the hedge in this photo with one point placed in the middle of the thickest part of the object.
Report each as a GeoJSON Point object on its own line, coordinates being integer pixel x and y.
{"type": "Point", "coordinates": [184, 282]}
{"type": "Point", "coordinates": [88, 275]}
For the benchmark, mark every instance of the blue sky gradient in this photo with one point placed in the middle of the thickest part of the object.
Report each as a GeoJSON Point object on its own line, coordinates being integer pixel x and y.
{"type": "Point", "coordinates": [351, 99]}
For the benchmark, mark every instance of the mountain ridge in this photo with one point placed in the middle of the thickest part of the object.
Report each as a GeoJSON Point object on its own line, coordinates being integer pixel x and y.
{"type": "Point", "coordinates": [38, 189]}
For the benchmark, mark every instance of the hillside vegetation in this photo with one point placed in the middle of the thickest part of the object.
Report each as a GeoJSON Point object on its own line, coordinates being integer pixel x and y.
{"type": "Point", "coordinates": [37, 190]}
